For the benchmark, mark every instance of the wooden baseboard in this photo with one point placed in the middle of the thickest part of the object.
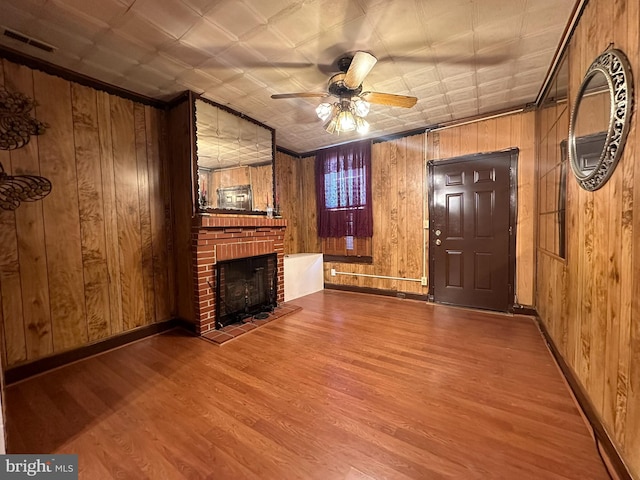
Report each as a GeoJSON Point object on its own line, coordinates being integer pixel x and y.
{"type": "Point", "coordinates": [524, 310]}
{"type": "Point", "coordinates": [376, 291]}
{"type": "Point", "coordinates": [602, 436]}
{"type": "Point", "coordinates": [26, 370]}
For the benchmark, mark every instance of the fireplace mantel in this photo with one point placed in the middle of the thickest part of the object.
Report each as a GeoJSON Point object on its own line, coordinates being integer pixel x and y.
{"type": "Point", "coordinates": [222, 221]}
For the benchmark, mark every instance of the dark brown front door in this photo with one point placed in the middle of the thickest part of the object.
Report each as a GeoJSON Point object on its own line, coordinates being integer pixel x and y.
{"type": "Point", "coordinates": [471, 228]}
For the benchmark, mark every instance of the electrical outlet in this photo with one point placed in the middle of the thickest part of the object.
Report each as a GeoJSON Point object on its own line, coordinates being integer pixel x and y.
{"type": "Point", "coordinates": [333, 272]}
{"type": "Point", "coordinates": [423, 281]}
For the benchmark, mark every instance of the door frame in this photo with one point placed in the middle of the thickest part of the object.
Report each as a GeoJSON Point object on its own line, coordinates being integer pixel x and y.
{"type": "Point", "coordinates": [513, 214]}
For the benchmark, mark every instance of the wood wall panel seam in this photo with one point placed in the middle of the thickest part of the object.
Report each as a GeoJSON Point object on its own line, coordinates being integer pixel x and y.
{"type": "Point", "coordinates": [72, 269]}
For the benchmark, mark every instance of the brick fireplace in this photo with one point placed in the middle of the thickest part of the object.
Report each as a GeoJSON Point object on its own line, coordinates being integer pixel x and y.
{"type": "Point", "coordinates": [218, 238]}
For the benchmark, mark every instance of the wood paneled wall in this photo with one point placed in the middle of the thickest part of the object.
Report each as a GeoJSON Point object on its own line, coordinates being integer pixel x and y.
{"type": "Point", "coordinates": [181, 150]}
{"type": "Point", "coordinates": [91, 259]}
{"type": "Point", "coordinates": [590, 302]}
{"type": "Point", "coordinates": [501, 133]}
{"type": "Point", "coordinates": [296, 193]}
{"type": "Point", "coordinates": [399, 191]}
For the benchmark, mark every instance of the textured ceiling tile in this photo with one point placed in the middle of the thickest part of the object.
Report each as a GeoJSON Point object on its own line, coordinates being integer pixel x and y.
{"type": "Point", "coordinates": [455, 47]}
{"type": "Point", "coordinates": [175, 18]}
{"type": "Point", "coordinates": [207, 37]}
{"type": "Point", "coordinates": [73, 15]}
{"type": "Point", "coordinates": [421, 77]}
{"type": "Point", "coordinates": [544, 18]}
{"type": "Point", "coordinates": [430, 101]}
{"type": "Point", "coordinates": [56, 36]}
{"type": "Point", "coordinates": [495, 99]}
{"type": "Point", "coordinates": [185, 54]}
{"type": "Point", "coordinates": [462, 94]}
{"type": "Point", "coordinates": [496, 34]}
{"type": "Point", "coordinates": [246, 84]}
{"type": "Point", "coordinates": [486, 10]}
{"type": "Point", "coordinates": [222, 93]}
{"type": "Point", "coordinates": [545, 41]}
{"type": "Point", "coordinates": [19, 20]}
{"type": "Point", "coordinates": [234, 17]}
{"type": "Point", "coordinates": [458, 21]}
{"type": "Point", "coordinates": [437, 114]}
{"type": "Point", "coordinates": [391, 85]}
{"type": "Point", "coordinates": [531, 77]}
{"type": "Point", "coordinates": [491, 74]}
{"type": "Point", "coordinates": [198, 78]}
{"type": "Point", "coordinates": [398, 21]}
{"type": "Point", "coordinates": [249, 103]}
{"type": "Point", "coordinates": [71, 21]}
{"type": "Point", "coordinates": [166, 65]}
{"type": "Point", "coordinates": [273, 8]}
{"type": "Point", "coordinates": [110, 60]}
{"type": "Point", "coordinates": [139, 30]}
{"type": "Point", "coordinates": [220, 70]}
{"type": "Point", "coordinates": [269, 43]}
{"type": "Point", "coordinates": [103, 10]}
{"type": "Point", "coordinates": [308, 19]}
{"type": "Point", "coordinates": [200, 6]}
{"type": "Point", "coordinates": [115, 42]}
{"type": "Point", "coordinates": [241, 55]}
{"type": "Point", "coordinates": [34, 7]}
{"type": "Point", "coordinates": [482, 55]}
{"type": "Point", "coordinates": [97, 70]}
{"type": "Point", "coordinates": [462, 66]}
{"type": "Point", "coordinates": [489, 88]}
{"type": "Point", "coordinates": [330, 45]}
{"type": "Point", "coordinates": [148, 75]}
{"type": "Point", "coordinates": [456, 83]}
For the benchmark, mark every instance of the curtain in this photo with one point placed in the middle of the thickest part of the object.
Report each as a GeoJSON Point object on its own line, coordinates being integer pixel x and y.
{"type": "Point", "coordinates": [343, 190]}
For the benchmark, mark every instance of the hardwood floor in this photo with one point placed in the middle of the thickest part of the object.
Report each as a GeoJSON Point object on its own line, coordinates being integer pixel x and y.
{"type": "Point", "coordinates": [351, 387]}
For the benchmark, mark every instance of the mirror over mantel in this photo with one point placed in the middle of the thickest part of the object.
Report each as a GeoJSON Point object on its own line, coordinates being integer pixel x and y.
{"type": "Point", "coordinates": [235, 161]}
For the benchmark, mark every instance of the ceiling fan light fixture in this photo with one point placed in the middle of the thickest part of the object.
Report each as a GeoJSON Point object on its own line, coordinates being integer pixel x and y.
{"type": "Point", "coordinates": [324, 111]}
{"type": "Point", "coordinates": [362, 126]}
{"type": "Point", "coordinates": [331, 125]}
{"type": "Point", "coordinates": [360, 107]}
{"type": "Point", "coordinates": [346, 121]}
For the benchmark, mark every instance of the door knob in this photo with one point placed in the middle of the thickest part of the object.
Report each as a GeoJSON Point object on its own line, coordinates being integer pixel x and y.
{"type": "Point", "coordinates": [438, 232]}
{"type": "Point", "coordinates": [438, 242]}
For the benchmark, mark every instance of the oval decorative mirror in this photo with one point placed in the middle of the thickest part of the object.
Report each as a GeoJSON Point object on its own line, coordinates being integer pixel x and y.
{"type": "Point", "coordinates": [600, 119]}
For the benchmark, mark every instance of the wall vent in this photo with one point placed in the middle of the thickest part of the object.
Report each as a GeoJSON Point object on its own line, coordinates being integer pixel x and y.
{"type": "Point", "coordinates": [28, 40]}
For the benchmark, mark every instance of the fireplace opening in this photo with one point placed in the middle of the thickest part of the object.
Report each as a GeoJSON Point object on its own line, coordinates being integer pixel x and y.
{"type": "Point", "coordinates": [245, 287]}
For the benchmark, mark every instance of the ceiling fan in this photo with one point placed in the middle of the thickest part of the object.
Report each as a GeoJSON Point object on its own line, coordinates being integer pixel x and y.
{"type": "Point", "coordinates": [347, 114]}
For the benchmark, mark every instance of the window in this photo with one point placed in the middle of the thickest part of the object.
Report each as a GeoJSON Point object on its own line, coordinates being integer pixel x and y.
{"type": "Point", "coordinates": [343, 186]}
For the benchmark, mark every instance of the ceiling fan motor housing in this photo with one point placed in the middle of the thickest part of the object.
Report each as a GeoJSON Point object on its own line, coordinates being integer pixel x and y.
{"type": "Point", "coordinates": [339, 89]}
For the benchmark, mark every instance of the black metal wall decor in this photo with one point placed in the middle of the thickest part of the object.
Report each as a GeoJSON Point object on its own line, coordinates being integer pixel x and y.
{"type": "Point", "coordinates": [16, 128]}
{"type": "Point", "coordinates": [16, 124]}
{"type": "Point", "coordinates": [15, 189]}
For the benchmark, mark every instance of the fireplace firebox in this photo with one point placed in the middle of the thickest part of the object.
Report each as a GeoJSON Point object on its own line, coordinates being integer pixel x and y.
{"type": "Point", "coordinates": [245, 287]}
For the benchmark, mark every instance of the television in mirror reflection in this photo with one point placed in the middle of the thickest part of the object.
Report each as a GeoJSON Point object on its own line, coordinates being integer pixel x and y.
{"type": "Point", "coordinates": [235, 160]}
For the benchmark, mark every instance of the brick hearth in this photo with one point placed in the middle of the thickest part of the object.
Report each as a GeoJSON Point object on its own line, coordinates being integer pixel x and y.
{"type": "Point", "coordinates": [217, 238]}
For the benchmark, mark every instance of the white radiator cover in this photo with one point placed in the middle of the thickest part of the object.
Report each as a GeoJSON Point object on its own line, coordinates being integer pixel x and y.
{"type": "Point", "coordinates": [303, 274]}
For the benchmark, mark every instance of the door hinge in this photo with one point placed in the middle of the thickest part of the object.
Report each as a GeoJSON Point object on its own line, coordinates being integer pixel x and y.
{"type": "Point", "coordinates": [510, 230]}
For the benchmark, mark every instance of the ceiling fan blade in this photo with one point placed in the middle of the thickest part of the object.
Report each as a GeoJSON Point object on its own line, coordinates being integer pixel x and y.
{"type": "Point", "coordinates": [389, 99]}
{"type": "Point", "coordinates": [299, 95]}
{"type": "Point", "coordinates": [361, 65]}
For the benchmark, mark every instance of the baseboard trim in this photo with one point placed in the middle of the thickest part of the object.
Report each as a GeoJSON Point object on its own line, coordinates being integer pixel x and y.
{"type": "Point", "coordinates": [602, 436]}
{"type": "Point", "coordinates": [376, 291]}
{"type": "Point", "coordinates": [524, 310]}
{"type": "Point", "coordinates": [26, 370]}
